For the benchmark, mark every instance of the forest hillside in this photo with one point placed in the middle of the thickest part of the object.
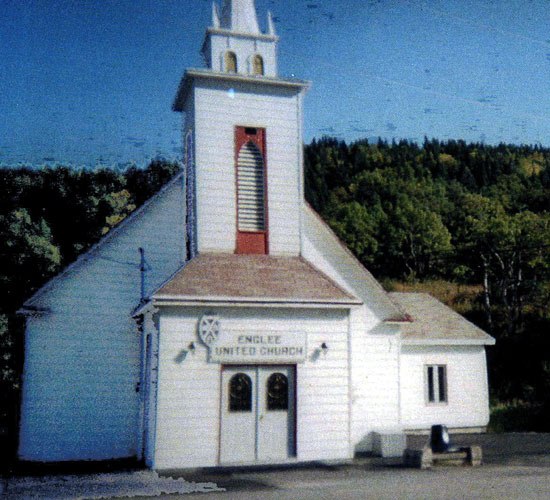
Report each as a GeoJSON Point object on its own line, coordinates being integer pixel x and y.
{"type": "Point", "coordinates": [49, 216]}
{"type": "Point", "coordinates": [469, 223]}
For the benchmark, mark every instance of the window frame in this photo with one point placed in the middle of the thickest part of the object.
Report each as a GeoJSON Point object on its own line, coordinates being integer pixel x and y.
{"type": "Point", "coordinates": [251, 242]}
{"type": "Point", "coordinates": [436, 384]}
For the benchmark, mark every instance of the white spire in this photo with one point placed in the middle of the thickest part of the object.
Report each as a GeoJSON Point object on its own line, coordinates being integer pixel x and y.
{"type": "Point", "coordinates": [240, 16]}
{"type": "Point", "coordinates": [215, 16]}
{"type": "Point", "coordinates": [235, 44]}
{"type": "Point", "coordinates": [270, 24]}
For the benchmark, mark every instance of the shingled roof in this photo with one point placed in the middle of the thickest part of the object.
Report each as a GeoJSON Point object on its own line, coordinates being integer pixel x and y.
{"type": "Point", "coordinates": [435, 323]}
{"type": "Point", "coordinates": [252, 278]}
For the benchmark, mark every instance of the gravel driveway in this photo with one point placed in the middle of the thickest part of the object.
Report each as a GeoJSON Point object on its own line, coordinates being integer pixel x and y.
{"type": "Point", "coordinates": [517, 467]}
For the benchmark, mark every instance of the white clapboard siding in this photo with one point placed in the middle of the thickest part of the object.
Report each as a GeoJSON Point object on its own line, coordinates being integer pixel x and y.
{"type": "Point", "coordinates": [467, 389]}
{"type": "Point", "coordinates": [322, 248]}
{"type": "Point", "coordinates": [188, 405]}
{"type": "Point", "coordinates": [374, 390]}
{"type": "Point", "coordinates": [219, 108]}
{"type": "Point", "coordinates": [82, 359]}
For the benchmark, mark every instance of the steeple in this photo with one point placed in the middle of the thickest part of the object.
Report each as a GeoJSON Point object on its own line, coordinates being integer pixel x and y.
{"type": "Point", "coordinates": [235, 44]}
{"type": "Point", "coordinates": [240, 16]}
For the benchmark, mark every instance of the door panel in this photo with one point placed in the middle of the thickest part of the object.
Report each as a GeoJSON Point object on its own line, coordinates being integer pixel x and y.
{"type": "Point", "coordinates": [276, 412]}
{"type": "Point", "coordinates": [258, 413]}
{"type": "Point", "coordinates": [238, 432]}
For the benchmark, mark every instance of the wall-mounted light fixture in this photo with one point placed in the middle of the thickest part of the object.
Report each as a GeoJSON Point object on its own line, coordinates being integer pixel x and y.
{"type": "Point", "coordinates": [180, 357]}
{"type": "Point", "coordinates": [191, 347]}
{"type": "Point", "coordinates": [324, 348]}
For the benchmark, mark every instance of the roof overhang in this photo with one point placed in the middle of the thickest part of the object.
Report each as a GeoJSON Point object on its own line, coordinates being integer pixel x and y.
{"type": "Point", "coordinates": [273, 303]}
{"type": "Point", "coordinates": [238, 34]}
{"type": "Point", "coordinates": [167, 300]}
{"type": "Point", "coordinates": [33, 311]}
{"type": "Point", "coordinates": [399, 321]}
{"type": "Point", "coordinates": [192, 75]}
{"type": "Point", "coordinates": [486, 340]}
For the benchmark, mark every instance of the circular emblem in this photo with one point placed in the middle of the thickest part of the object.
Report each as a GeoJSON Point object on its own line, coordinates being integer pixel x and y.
{"type": "Point", "coordinates": [209, 329]}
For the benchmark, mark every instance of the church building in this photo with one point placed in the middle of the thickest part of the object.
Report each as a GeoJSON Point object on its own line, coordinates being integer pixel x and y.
{"type": "Point", "coordinates": [247, 333]}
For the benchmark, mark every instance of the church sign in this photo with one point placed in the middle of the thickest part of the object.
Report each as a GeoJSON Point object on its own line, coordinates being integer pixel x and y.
{"type": "Point", "coordinates": [238, 347]}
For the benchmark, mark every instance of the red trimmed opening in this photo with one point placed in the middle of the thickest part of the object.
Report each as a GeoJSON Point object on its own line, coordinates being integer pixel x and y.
{"type": "Point", "coordinates": [251, 241]}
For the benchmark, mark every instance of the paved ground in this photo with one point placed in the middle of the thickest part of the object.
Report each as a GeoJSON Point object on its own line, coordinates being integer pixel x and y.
{"type": "Point", "coordinates": [517, 467]}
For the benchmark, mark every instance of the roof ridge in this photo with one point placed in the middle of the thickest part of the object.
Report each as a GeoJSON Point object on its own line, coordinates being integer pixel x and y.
{"type": "Point", "coordinates": [326, 277]}
{"type": "Point", "coordinates": [83, 257]}
{"type": "Point", "coordinates": [397, 307]}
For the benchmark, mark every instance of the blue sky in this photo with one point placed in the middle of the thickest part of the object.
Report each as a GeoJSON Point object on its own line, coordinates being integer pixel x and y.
{"type": "Point", "coordinates": [88, 82]}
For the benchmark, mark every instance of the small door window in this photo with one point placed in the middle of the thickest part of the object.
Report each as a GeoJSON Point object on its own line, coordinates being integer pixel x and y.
{"type": "Point", "coordinates": [240, 392]}
{"type": "Point", "coordinates": [277, 392]}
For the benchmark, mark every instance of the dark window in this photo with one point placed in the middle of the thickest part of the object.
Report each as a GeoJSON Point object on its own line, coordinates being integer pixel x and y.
{"type": "Point", "coordinates": [230, 62]}
{"type": "Point", "coordinates": [436, 383]}
{"type": "Point", "coordinates": [240, 392]}
{"type": "Point", "coordinates": [431, 392]}
{"type": "Point", "coordinates": [258, 65]}
{"type": "Point", "coordinates": [442, 379]}
{"type": "Point", "coordinates": [277, 392]}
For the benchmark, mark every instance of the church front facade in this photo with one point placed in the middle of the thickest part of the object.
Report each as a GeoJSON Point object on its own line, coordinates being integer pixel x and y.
{"type": "Point", "coordinates": [259, 338]}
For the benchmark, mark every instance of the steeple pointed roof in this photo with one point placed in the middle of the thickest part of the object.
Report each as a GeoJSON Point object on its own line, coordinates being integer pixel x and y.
{"type": "Point", "coordinates": [234, 42]}
{"type": "Point", "coordinates": [240, 16]}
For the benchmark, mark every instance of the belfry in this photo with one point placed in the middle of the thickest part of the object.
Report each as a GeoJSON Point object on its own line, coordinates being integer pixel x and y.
{"type": "Point", "coordinates": [243, 140]}
{"type": "Point", "coordinates": [234, 42]}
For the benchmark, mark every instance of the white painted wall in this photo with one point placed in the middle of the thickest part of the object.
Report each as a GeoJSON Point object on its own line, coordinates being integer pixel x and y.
{"type": "Point", "coordinates": [468, 400]}
{"type": "Point", "coordinates": [82, 360]}
{"type": "Point", "coordinates": [188, 411]}
{"type": "Point", "coordinates": [374, 345]}
{"type": "Point", "coordinates": [219, 107]}
{"type": "Point", "coordinates": [375, 376]}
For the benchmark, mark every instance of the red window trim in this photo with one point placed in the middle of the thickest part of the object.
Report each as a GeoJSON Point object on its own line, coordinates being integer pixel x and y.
{"type": "Point", "coordinates": [251, 242]}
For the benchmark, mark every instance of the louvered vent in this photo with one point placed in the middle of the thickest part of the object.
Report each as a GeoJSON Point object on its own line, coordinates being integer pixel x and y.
{"type": "Point", "coordinates": [250, 189]}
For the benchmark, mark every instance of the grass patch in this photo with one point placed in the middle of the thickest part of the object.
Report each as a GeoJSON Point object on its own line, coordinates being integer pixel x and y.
{"type": "Point", "coordinates": [520, 417]}
{"type": "Point", "coordinates": [461, 298]}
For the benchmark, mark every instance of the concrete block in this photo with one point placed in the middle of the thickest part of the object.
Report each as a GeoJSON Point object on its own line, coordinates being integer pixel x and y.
{"type": "Point", "coordinates": [419, 459]}
{"type": "Point", "coordinates": [475, 455]}
{"type": "Point", "coordinates": [389, 444]}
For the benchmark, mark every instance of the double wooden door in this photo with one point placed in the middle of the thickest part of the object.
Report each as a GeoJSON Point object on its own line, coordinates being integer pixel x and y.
{"type": "Point", "coordinates": [258, 413]}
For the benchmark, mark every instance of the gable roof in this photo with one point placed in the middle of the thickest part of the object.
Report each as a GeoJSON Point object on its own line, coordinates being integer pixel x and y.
{"type": "Point", "coordinates": [352, 271]}
{"type": "Point", "coordinates": [82, 258]}
{"type": "Point", "coordinates": [434, 323]}
{"type": "Point", "coordinates": [267, 279]}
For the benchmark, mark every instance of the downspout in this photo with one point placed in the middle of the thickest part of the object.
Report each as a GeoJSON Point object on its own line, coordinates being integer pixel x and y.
{"type": "Point", "coordinates": [399, 411]}
{"type": "Point", "coordinates": [141, 388]}
{"type": "Point", "coordinates": [351, 450]}
{"type": "Point", "coordinates": [150, 416]}
{"type": "Point", "coordinates": [300, 152]}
